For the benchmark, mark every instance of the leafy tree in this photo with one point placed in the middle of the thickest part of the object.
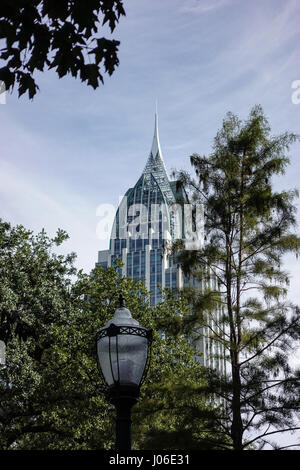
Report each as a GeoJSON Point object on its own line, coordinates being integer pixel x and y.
{"type": "Point", "coordinates": [51, 392]}
{"type": "Point", "coordinates": [59, 34]}
{"type": "Point", "coordinates": [249, 228]}
{"type": "Point", "coordinates": [34, 296]}
{"type": "Point", "coordinates": [175, 413]}
{"type": "Point", "coordinates": [176, 410]}
{"type": "Point", "coordinates": [34, 283]}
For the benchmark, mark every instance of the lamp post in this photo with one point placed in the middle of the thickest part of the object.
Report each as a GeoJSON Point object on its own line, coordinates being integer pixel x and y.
{"type": "Point", "coordinates": [123, 348]}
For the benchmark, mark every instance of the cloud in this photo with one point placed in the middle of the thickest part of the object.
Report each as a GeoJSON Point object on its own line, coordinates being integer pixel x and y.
{"type": "Point", "coordinates": [204, 6]}
{"type": "Point", "coordinates": [26, 201]}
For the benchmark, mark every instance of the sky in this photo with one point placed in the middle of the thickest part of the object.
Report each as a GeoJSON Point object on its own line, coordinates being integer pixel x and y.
{"type": "Point", "coordinates": [73, 149]}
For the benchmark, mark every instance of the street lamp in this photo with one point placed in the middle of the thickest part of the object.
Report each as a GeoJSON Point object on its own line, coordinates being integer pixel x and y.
{"type": "Point", "coordinates": [123, 348]}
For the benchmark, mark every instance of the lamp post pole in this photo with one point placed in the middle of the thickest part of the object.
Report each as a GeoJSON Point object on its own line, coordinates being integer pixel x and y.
{"type": "Point", "coordinates": [123, 398]}
{"type": "Point", "coordinates": [123, 423]}
{"type": "Point", "coordinates": [123, 347]}
{"type": "Point", "coordinates": [123, 427]}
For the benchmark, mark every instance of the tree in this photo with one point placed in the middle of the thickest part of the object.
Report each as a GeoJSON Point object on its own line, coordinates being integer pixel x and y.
{"type": "Point", "coordinates": [249, 228]}
{"type": "Point", "coordinates": [34, 283]}
{"type": "Point", "coordinates": [34, 297]}
{"type": "Point", "coordinates": [59, 34]}
{"type": "Point", "coordinates": [176, 410]}
{"type": "Point", "coordinates": [51, 392]}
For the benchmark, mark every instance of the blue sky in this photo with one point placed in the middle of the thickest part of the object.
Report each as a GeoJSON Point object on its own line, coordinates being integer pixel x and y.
{"type": "Point", "coordinates": [74, 148]}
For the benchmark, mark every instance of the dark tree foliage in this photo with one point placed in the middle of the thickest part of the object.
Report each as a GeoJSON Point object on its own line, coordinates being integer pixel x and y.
{"type": "Point", "coordinates": [249, 228]}
{"type": "Point", "coordinates": [34, 283]}
{"type": "Point", "coordinates": [51, 391]}
{"type": "Point", "coordinates": [59, 34]}
{"type": "Point", "coordinates": [34, 301]}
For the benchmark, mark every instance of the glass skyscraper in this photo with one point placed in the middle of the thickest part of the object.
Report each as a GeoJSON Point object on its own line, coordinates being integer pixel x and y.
{"type": "Point", "coordinates": [151, 215]}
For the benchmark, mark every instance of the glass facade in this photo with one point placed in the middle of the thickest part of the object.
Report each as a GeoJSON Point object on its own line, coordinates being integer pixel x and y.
{"type": "Point", "coordinates": [142, 250]}
{"type": "Point", "coordinates": [144, 223]}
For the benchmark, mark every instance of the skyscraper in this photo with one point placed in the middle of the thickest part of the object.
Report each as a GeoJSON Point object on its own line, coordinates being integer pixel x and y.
{"type": "Point", "coordinates": [152, 214]}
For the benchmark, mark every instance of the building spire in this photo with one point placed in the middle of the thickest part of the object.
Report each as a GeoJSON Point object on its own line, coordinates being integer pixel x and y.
{"type": "Point", "coordinates": [155, 165]}
{"type": "Point", "coordinates": [156, 149]}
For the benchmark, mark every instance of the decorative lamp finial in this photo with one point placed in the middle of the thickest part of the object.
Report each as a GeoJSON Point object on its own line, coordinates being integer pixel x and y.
{"type": "Point", "coordinates": [121, 301]}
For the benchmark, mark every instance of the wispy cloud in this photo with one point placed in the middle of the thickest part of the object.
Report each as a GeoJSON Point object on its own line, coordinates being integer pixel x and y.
{"type": "Point", "coordinates": [24, 200]}
{"type": "Point", "coordinates": [75, 148]}
{"type": "Point", "coordinates": [204, 6]}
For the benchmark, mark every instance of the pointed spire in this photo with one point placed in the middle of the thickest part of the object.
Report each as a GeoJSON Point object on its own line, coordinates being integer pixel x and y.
{"type": "Point", "coordinates": [156, 149]}
{"type": "Point", "coordinates": [156, 166]}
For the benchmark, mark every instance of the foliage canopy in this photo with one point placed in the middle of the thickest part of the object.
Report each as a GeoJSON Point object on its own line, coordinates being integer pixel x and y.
{"type": "Point", "coordinates": [52, 395]}
{"type": "Point", "coordinates": [57, 34]}
{"type": "Point", "coordinates": [249, 227]}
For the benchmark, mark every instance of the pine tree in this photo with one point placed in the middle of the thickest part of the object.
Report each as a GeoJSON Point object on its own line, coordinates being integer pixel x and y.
{"type": "Point", "coordinates": [249, 228]}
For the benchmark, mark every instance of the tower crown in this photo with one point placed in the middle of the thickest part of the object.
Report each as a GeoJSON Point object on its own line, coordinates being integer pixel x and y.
{"type": "Point", "coordinates": [155, 165]}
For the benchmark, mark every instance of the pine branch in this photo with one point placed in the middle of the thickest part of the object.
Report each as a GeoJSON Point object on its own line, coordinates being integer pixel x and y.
{"type": "Point", "coordinates": [283, 332]}
{"type": "Point", "coordinates": [272, 432]}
